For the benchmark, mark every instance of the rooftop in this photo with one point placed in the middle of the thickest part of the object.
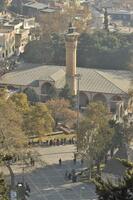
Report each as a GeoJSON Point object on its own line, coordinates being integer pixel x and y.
{"type": "Point", "coordinates": [122, 12]}
{"type": "Point", "coordinates": [92, 80]}
{"type": "Point", "coordinates": [36, 5]}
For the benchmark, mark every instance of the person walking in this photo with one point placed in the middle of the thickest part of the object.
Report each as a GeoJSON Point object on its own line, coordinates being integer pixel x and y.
{"type": "Point", "coordinates": [60, 162]}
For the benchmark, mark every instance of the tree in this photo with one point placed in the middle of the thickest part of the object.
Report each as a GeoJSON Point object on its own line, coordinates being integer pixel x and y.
{"type": "Point", "coordinates": [21, 101]}
{"type": "Point", "coordinates": [93, 128]}
{"type": "Point", "coordinates": [31, 95]}
{"type": "Point", "coordinates": [12, 139]}
{"type": "Point", "coordinates": [3, 188]}
{"type": "Point", "coordinates": [38, 51]}
{"type": "Point", "coordinates": [80, 16]}
{"type": "Point", "coordinates": [61, 112]}
{"type": "Point", "coordinates": [38, 121]}
{"type": "Point", "coordinates": [52, 93]}
{"type": "Point", "coordinates": [65, 93]}
{"type": "Point", "coordinates": [3, 94]}
{"type": "Point", "coordinates": [106, 21]}
{"type": "Point", "coordinates": [121, 191]}
{"type": "Point", "coordinates": [100, 49]}
{"type": "Point", "coordinates": [58, 46]}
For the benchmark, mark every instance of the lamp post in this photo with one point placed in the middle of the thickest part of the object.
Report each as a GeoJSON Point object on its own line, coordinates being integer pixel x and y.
{"type": "Point", "coordinates": [78, 78]}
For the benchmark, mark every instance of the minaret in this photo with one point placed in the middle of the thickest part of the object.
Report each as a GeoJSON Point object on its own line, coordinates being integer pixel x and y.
{"type": "Point", "coordinates": [71, 38]}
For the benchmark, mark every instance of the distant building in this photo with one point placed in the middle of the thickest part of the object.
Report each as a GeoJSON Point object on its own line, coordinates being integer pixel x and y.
{"type": "Point", "coordinates": [7, 43]}
{"type": "Point", "coordinates": [29, 23]}
{"type": "Point", "coordinates": [123, 15]}
{"type": "Point", "coordinates": [21, 28]}
{"type": "Point", "coordinates": [33, 9]}
{"type": "Point", "coordinates": [21, 40]}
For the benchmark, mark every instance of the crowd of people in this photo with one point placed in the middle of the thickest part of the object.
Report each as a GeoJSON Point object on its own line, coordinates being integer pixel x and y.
{"type": "Point", "coordinates": [54, 142]}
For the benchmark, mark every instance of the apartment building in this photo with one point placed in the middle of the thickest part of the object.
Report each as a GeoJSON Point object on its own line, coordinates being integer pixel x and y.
{"type": "Point", "coordinates": [7, 43]}
{"type": "Point", "coordinates": [21, 29]}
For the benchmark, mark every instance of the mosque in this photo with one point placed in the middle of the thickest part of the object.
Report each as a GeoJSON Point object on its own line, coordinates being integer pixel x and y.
{"type": "Point", "coordinates": [108, 86]}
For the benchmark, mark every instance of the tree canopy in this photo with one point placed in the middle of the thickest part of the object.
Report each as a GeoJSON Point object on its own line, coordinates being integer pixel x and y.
{"type": "Point", "coordinates": [38, 121]}
{"type": "Point", "coordinates": [31, 95]}
{"type": "Point", "coordinates": [93, 128]}
{"type": "Point", "coordinates": [80, 16]}
{"type": "Point", "coordinates": [11, 135]}
{"type": "Point", "coordinates": [65, 93]}
{"type": "Point", "coordinates": [21, 102]}
{"type": "Point", "coordinates": [61, 111]}
{"type": "Point", "coordinates": [95, 50]}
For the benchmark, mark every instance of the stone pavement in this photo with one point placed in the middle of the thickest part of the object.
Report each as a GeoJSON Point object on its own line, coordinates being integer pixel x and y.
{"type": "Point", "coordinates": [47, 182]}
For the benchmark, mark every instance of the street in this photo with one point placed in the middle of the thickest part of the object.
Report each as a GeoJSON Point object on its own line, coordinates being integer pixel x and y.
{"type": "Point", "coordinates": [48, 182]}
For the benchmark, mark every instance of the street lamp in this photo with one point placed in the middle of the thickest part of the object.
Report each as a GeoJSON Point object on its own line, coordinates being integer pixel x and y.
{"type": "Point", "coordinates": [78, 78]}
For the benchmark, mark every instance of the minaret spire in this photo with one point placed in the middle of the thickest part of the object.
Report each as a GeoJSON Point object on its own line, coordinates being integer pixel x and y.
{"type": "Point", "coordinates": [71, 38]}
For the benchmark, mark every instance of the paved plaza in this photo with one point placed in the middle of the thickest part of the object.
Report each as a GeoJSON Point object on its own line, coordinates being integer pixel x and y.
{"type": "Point", "coordinates": [47, 182]}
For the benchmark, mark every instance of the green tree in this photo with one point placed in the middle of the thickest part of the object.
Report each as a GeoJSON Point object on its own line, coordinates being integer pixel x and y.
{"type": "Point", "coordinates": [12, 139]}
{"type": "Point", "coordinates": [118, 137]}
{"type": "Point", "coordinates": [38, 51]}
{"type": "Point", "coordinates": [21, 102]}
{"type": "Point", "coordinates": [58, 46]}
{"type": "Point", "coordinates": [52, 93]}
{"type": "Point", "coordinates": [31, 95]}
{"type": "Point", "coordinates": [106, 21]}
{"type": "Point", "coordinates": [38, 121]}
{"type": "Point", "coordinates": [100, 49]}
{"type": "Point", "coordinates": [121, 191]}
{"type": "Point", "coordinates": [65, 93]}
{"type": "Point", "coordinates": [3, 94]}
{"type": "Point", "coordinates": [93, 128]}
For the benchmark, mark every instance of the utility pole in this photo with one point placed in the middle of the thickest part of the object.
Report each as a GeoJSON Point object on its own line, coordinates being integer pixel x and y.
{"type": "Point", "coordinates": [78, 78]}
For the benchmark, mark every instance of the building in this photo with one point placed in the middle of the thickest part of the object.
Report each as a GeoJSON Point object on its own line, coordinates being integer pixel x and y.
{"type": "Point", "coordinates": [109, 86]}
{"type": "Point", "coordinates": [7, 43]}
{"type": "Point", "coordinates": [21, 28]}
{"type": "Point", "coordinates": [123, 15]}
{"type": "Point", "coordinates": [33, 9]}
{"type": "Point", "coordinates": [21, 40]}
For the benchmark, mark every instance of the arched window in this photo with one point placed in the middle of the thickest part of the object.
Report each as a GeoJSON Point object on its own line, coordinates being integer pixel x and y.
{"type": "Point", "coordinates": [83, 99]}
{"type": "Point", "coordinates": [100, 97]}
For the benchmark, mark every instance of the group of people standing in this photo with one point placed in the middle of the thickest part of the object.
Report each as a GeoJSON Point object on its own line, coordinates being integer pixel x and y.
{"type": "Point", "coordinates": [57, 142]}
{"type": "Point", "coordinates": [71, 175]}
{"type": "Point", "coordinates": [54, 142]}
